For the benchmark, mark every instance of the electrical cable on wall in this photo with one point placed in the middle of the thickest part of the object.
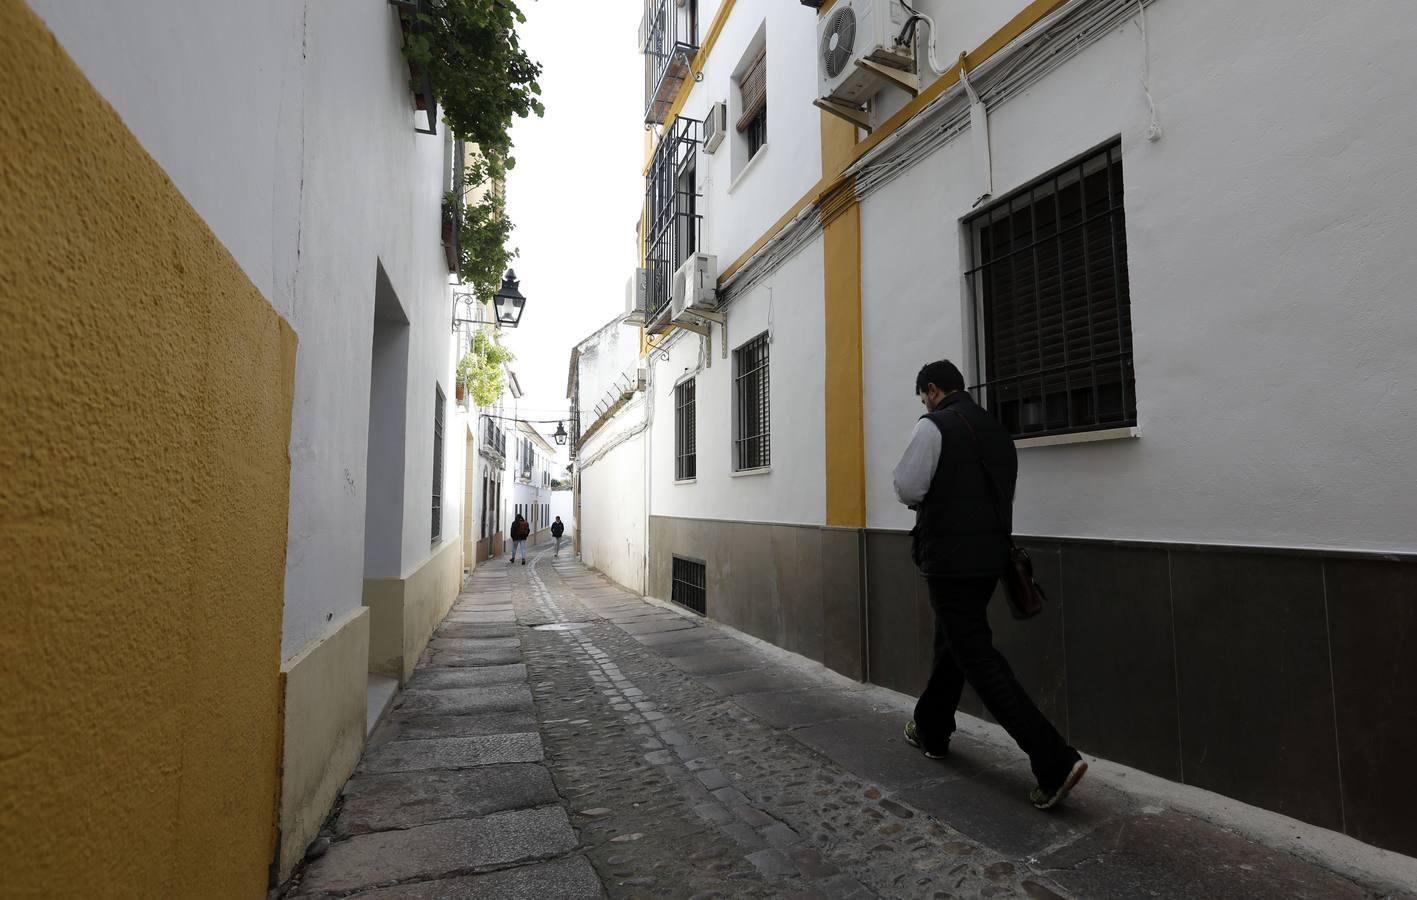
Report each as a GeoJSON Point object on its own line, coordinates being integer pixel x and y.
{"type": "Point", "coordinates": [909, 32]}
{"type": "Point", "coordinates": [1153, 129]}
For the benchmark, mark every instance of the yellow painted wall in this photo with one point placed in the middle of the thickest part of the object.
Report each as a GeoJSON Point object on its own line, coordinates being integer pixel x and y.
{"type": "Point", "coordinates": [844, 411]}
{"type": "Point", "coordinates": [404, 612]}
{"type": "Point", "coordinates": [144, 484]}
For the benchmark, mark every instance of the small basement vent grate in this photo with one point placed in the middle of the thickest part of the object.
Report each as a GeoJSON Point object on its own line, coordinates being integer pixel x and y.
{"type": "Point", "coordinates": [690, 585]}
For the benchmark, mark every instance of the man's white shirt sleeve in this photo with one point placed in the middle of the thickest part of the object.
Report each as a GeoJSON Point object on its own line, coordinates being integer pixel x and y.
{"type": "Point", "coordinates": [916, 468]}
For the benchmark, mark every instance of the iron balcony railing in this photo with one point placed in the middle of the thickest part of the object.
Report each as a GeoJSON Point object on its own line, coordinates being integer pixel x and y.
{"type": "Point", "coordinates": [669, 35]}
{"type": "Point", "coordinates": [671, 210]}
{"type": "Point", "coordinates": [494, 439]}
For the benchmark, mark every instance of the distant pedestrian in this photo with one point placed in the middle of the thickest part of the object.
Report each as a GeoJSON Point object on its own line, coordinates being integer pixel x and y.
{"type": "Point", "coordinates": [520, 532]}
{"type": "Point", "coordinates": [961, 485]}
{"type": "Point", "coordinates": [557, 529]}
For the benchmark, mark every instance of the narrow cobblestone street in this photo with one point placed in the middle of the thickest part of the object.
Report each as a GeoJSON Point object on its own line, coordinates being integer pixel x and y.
{"type": "Point", "coordinates": [564, 738]}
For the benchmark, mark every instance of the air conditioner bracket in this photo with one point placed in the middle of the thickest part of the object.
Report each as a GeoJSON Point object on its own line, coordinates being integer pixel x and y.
{"type": "Point", "coordinates": [902, 78]}
{"type": "Point", "coordinates": [855, 115]}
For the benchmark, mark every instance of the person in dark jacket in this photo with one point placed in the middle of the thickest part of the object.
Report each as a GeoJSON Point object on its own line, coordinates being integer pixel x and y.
{"type": "Point", "coordinates": [958, 475]}
{"type": "Point", "coordinates": [558, 528]}
{"type": "Point", "coordinates": [520, 532]}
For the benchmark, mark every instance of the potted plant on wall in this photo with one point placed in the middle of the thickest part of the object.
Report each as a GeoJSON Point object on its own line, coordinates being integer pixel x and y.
{"type": "Point", "coordinates": [480, 370]}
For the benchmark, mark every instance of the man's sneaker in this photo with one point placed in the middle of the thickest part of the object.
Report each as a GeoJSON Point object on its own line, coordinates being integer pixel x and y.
{"type": "Point", "coordinates": [1045, 799]}
{"type": "Point", "coordinates": [912, 737]}
{"type": "Point", "coordinates": [523, 562]}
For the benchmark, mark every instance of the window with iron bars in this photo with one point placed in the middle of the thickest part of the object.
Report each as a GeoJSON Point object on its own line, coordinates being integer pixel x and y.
{"type": "Point", "coordinates": [669, 35]}
{"type": "Point", "coordinates": [752, 427]}
{"type": "Point", "coordinates": [685, 438]}
{"type": "Point", "coordinates": [438, 465]}
{"type": "Point", "coordinates": [671, 209]}
{"type": "Point", "coordinates": [690, 588]}
{"type": "Point", "coordinates": [1053, 326]}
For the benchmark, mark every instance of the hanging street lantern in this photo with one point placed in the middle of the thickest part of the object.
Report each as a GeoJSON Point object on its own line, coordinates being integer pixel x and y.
{"type": "Point", "coordinates": [560, 434]}
{"type": "Point", "coordinates": [509, 301]}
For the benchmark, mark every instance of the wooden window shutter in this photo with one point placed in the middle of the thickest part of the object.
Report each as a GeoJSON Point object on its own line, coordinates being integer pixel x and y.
{"type": "Point", "coordinates": [753, 89]}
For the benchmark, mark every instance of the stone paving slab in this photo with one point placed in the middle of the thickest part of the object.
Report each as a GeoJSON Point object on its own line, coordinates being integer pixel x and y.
{"type": "Point", "coordinates": [433, 679]}
{"type": "Point", "coordinates": [718, 663]}
{"type": "Point", "coordinates": [791, 709]}
{"type": "Point", "coordinates": [873, 743]}
{"type": "Point", "coordinates": [657, 624]}
{"type": "Point", "coordinates": [407, 799]}
{"type": "Point", "coordinates": [756, 681]}
{"type": "Point", "coordinates": [455, 629]}
{"type": "Point", "coordinates": [563, 879]}
{"type": "Point", "coordinates": [441, 849]}
{"type": "Point", "coordinates": [701, 641]}
{"type": "Point", "coordinates": [501, 657]}
{"type": "Point", "coordinates": [453, 753]}
{"type": "Point", "coordinates": [465, 701]}
{"type": "Point", "coordinates": [474, 645]}
{"type": "Point", "coordinates": [411, 727]}
{"type": "Point", "coordinates": [1172, 856]}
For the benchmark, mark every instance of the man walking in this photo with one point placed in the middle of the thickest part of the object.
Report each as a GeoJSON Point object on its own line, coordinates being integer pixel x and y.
{"type": "Point", "coordinates": [520, 532]}
{"type": "Point", "coordinates": [958, 474]}
{"type": "Point", "coordinates": [557, 529]}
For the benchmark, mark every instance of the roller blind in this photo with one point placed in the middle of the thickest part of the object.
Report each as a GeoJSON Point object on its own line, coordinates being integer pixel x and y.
{"type": "Point", "coordinates": [753, 89]}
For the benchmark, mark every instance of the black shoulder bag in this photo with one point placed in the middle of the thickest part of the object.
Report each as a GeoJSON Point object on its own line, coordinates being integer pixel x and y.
{"type": "Point", "coordinates": [1026, 597]}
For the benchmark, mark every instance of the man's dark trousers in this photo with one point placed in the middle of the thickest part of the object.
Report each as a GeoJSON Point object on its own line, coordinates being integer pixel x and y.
{"type": "Point", "coordinates": [964, 651]}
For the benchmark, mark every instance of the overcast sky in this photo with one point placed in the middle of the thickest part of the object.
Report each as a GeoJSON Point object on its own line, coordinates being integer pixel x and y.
{"type": "Point", "coordinates": [575, 193]}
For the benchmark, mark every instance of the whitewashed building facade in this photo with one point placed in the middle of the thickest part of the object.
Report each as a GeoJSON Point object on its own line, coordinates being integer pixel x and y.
{"type": "Point", "coordinates": [1165, 251]}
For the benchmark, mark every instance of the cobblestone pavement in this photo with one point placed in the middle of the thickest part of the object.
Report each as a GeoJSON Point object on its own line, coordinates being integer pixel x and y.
{"type": "Point", "coordinates": [563, 738]}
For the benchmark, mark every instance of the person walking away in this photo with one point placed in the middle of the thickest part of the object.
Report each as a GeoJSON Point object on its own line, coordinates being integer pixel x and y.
{"type": "Point", "coordinates": [960, 483]}
{"type": "Point", "coordinates": [557, 529]}
{"type": "Point", "coordinates": [520, 532]}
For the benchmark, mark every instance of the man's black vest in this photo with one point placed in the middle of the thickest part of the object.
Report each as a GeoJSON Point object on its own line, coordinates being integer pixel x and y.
{"type": "Point", "coordinates": [963, 526]}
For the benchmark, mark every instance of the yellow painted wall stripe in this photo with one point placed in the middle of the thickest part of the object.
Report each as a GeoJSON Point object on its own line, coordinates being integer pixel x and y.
{"type": "Point", "coordinates": [144, 536]}
{"type": "Point", "coordinates": [1026, 19]}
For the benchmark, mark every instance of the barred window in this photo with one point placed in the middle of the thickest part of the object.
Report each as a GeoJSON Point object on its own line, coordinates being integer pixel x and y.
{"type": "Point", "coordinates": [1053, 326]}
{"type": "Point", "coordinates": [438, 465]}
{"type": "Point", "coordinates": [690, 588]}
{"type": "Point", "coordinates": [752, 426]}
{"type": "Point", "coordinates": [753, 102]}
{"type": "Point", "coordinates": [685, 426]}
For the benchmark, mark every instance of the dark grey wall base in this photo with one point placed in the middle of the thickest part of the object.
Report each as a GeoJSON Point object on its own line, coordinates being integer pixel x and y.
{"type": "Point", "coordinates": [795, 586]}
{"type": "Point", "coordinates": [1284, 679]}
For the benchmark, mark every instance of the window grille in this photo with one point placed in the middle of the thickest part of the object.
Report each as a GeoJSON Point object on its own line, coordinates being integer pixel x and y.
{"type": "Point", "coordinates": [669, 34]}
{"type": "Point", "coordinates": [671, 209]}
{"type": "Point", "coordinates": [685, 439]}
{"type": "Point", "coordinates": [1053, 309]}
{"type": "Point", "coordinates": [690, 589]}
{"type": "Point", "coordinates": [438, 465]}
{"type": "Point", "coordinates": [753, 426]}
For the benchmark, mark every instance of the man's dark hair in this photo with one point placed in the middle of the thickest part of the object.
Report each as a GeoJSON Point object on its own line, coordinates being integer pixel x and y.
{"type": "Point", "coordinates": [942, 374]}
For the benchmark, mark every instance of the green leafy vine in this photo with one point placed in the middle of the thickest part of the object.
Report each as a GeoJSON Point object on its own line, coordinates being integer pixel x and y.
{"type": "Point", "coordinates": [481, 369]}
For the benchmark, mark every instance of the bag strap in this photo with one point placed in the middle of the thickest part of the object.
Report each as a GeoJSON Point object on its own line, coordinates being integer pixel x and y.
{"type": "Point", "coordinates": [989, 476]}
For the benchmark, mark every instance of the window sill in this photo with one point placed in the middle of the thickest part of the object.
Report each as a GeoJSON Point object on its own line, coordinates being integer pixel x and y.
{"type": "Point", "coordinates": [744, 473]}
{"type": "Point", "coordinates": [686, 481]}
{"type": "Point", "coordinates": [747, 168]}
{"type": "Point", "coordinates": [1081, 437]}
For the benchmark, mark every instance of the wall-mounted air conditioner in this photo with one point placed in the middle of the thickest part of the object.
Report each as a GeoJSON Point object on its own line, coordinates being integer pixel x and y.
{"type": "Point", "coordinates": [695, 285]}
{"type": "Point", "coordinates": [637, 298]}
{"type": "Point", "coordinates": [715, 126]}
{"type": "Point", "coordinates": [857, 30]}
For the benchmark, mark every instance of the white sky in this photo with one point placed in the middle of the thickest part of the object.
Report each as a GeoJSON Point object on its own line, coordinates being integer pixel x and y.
{"type": "Point", "coordinates": [575, 194]}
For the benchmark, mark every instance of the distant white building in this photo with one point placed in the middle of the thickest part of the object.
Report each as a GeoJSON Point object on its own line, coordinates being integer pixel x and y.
{"type": "Point", "coordinates": [1171, 260]}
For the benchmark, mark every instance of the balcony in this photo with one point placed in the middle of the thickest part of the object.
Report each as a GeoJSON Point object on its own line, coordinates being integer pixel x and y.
{"type": "Point", "coordinates": [669, 35]}
{"type": "Point", "coordinates": [671, 212]}
{"type": "Point", "coordinates": [494, 441]}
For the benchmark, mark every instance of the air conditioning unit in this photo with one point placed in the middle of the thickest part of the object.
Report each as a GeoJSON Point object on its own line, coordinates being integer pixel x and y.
{"type": "Point", "coordinates": [637, 297]}
{"type": "Point", "coordinates": [715, 126]}
{"type": "Point", "coordinates": [858, 30]}
{"type": "Point", "coordinates": [695, 285]}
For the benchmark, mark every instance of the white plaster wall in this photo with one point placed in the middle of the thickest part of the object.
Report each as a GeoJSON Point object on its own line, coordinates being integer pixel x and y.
{"type": "Point", "coordinates": [613, 503]}
{"type": "Point", "coordinates": [790, 164]}
{"type": "Point", "coordinates": [789, 306]}
{"type": "Point", "coordinates": [1270, 262]}
{"type": "Point", "coordinates": [604, 357]}
{"type": "Point", "coordinates": [563, 504]}
{"type": "Point", "coordinates": [252, 108]}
